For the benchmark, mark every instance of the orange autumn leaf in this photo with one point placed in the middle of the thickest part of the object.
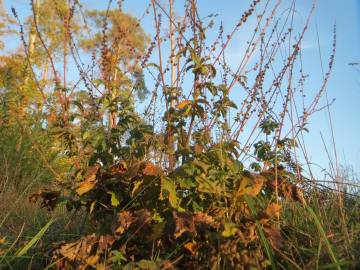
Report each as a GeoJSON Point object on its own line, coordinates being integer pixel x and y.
{"type": "Point", "coordinates": [2, 240]}
{"type": "Point", "coordinates": [183, 104]}
{"type": "Point", "coordinates": [91, 260]}
{"type": "Point", "coordinates": [87, 185]}
{"type": "Point", "coordinates": [192, 247]}
{"type": "Point", "coordinates": [273, 210]}
{"type": "Point", "coordinates": [150, 169]}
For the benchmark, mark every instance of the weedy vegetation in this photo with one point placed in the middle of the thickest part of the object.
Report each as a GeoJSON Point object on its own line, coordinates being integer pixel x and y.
{"type": "Point", "coordinates": [121, 149]}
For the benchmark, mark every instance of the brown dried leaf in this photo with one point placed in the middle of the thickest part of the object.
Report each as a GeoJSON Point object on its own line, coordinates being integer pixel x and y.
{"type": "Point", "coordinates": [198, 148]}
{"type": "Point", "coordinates": [125, 219]}
{"type": "Point", "coordinates": [105, 242]}
{"type": "Point", "coordinates": [274, 236]}
{"type": "Point", "coordinates": [118, 168]}
{"type": "Point", "coordinates": [184, 223]}
{"type": "Point", "coordinates": [256, 187]}
{"type": "Point", "coordinates": [167, 265]}
{"type": "Point", "coordinates": [92, 260]}
{"type": "Point", "coordinates": [69, 251]}
{"type": "Point", "coordinates": [93, 170]}
{"type": "Point", "coordinates": [205, 219]}
{"type": "Point", "coordinates": [86, 252]}
{"type": "Point", "coordinates": [251, 232]}
{"type": "Point", "coordinates": [142, 216]}
{"type": "Point", "coordinates": [295, 193]}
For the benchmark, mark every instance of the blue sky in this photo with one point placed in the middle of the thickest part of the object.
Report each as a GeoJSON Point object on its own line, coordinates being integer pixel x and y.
{"type": "Point", "coordinates": [344, 85]}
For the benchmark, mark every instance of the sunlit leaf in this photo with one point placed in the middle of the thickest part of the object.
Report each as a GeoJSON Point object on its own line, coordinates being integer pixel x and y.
{"type": "Point", "coordinates": [168, 190]}
{"type": "Point", "coordinates": [150, 169]}
{"type": "Point", "coordinates": [183, 104]}
{"type": "Point", "coordinates": [192, 247]}
{"type": "Point", "coordinates": [230, 230]}
{"type": "Point", "coordinates": [86, 185]}
{"type": "Point", "coordinates": [114, 200]}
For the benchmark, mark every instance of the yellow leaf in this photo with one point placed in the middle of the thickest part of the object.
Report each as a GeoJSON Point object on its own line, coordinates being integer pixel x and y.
{"type": "Point", "coordinates": [114, 200]}
{"type": "Point", "coordinates": [92, 206]}
{"type": "Point", "coordinates": [230, 229]}
{"type": "Point", "coordinates": [136, 187]}
{"type": "Point", "coordinates": [87, 185]}
{"type": "Point", "coordinates": [100, 266]}
{"type": "Point", "coordinates": [91, 260]}
{"type": "Point", "coordinates": [183, 104]}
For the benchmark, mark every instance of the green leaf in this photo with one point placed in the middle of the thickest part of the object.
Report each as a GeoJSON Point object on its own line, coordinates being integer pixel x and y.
{"type": "Point", "coordinates": [168, 190]}
{"type": "Point", "coordinates": [146, 264]}
{"type": "Point", "coordinates": [117, 256]}
{"type": "Point", "coordinates": [114, 200]}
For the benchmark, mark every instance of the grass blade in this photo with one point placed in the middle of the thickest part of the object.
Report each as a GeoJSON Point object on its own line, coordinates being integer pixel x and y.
{"type": "Point", "coordinates": [320, 228]}
{"type": "Point", "coordinates": [35, 239]}
{"type": "Point", "coordinates": [263, 240]}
